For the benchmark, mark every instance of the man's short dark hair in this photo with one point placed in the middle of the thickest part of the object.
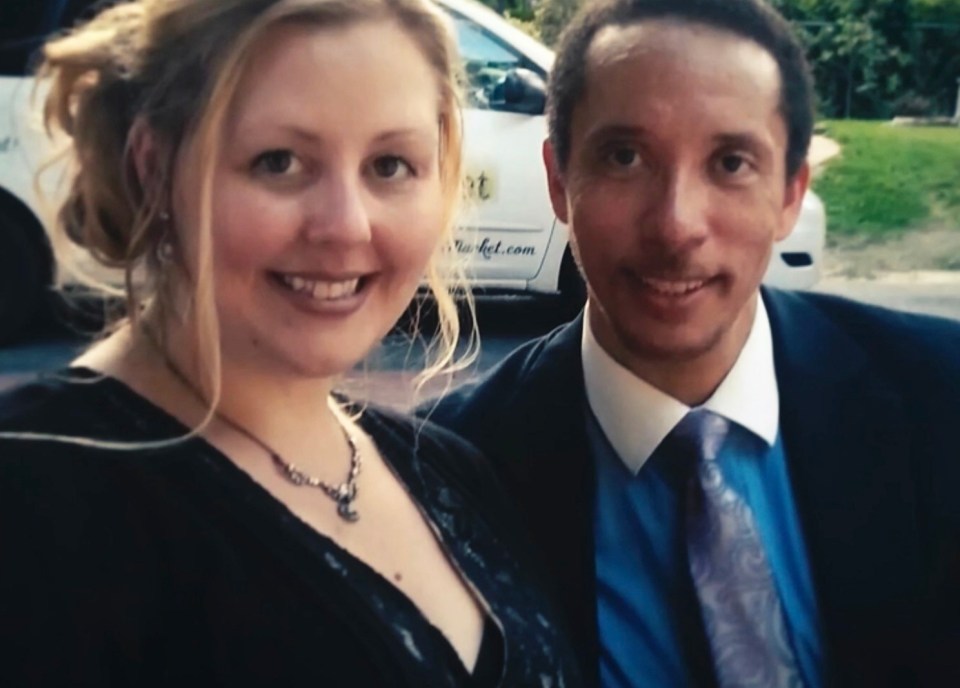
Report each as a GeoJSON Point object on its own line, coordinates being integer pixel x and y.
{"type": "Point", "coordinates": [752, 19]}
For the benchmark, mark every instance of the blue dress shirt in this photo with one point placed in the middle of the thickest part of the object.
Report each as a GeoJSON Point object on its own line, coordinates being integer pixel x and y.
{"type": "Point", "coordinates": [651, 633]}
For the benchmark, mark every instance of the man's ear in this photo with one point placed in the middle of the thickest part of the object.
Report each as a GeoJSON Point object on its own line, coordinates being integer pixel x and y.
{"type": "Point", "coordinates": [793, 200]}
{"type": "Point", "coordinates": [556, 184]}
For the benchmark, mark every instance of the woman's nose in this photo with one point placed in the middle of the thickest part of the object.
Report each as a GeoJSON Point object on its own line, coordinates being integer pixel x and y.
{"type": "Point", "coordinates": [337, 211]}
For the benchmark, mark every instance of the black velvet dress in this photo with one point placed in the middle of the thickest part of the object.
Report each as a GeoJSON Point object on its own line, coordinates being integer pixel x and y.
{"type": "Point", "coordinates": [173, 567]}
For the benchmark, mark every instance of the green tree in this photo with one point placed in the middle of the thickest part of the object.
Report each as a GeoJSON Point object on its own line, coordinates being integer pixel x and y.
{"type": "Point", "coordinates": [520, 9]}
{"type": "Point", "coordinates": [867, 54]}
{"type": "Point", "coordinates": [937, 52]}
{"type": "Point", "coordinates": [858, 71]}
{"type": "Point", "coordinates": [946, 11]}
{"type": "Point", "coordinates": [552, 17]}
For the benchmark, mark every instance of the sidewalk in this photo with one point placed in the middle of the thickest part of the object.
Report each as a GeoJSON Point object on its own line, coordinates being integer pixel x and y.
{"type": "Point", "coordinates": [821, 150]}
{"type": "Point", "coordinates": [925, 278]}
{"type": "Point", "coordinates": [922, 291]}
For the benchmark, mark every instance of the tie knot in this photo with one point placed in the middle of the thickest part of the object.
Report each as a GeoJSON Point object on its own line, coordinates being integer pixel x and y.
{"type": "Point", "coordinates": [700, 434]}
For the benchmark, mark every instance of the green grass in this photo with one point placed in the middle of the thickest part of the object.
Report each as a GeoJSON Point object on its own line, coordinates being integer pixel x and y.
{"type": "Point", "coordinates": [891, 179]}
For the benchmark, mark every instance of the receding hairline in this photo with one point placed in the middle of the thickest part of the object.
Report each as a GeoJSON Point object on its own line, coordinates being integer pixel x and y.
{"type": "Point", "coordinates": [610, 30]}
{"type": "Point", "coordinates": [610, 33]}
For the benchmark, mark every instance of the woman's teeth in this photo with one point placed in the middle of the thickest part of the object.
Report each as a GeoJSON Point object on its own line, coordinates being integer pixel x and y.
{"type": "Point", "coordinates": [320, 289]}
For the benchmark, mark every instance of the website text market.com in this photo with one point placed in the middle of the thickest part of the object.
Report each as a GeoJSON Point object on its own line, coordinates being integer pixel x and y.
{"type": "Point", "coordinates": [488, 249]}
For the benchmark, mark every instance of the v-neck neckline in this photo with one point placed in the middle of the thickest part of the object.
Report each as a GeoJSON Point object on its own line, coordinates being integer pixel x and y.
{"type": "Point", "coordinates": [219, 468]}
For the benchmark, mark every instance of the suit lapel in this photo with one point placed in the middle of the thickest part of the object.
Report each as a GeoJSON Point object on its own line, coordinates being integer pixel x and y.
{"type": "Point", "coordinates": [848, 458]}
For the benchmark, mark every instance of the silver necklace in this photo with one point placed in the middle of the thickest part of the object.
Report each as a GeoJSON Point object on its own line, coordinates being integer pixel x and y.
{"type": "Point", "coordinates": [343, 494]}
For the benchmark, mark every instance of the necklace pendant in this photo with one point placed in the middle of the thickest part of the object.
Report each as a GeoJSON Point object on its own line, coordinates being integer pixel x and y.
{"type": "Point", "coordinates": [345, 512]}
{"type": "Point", "coordinates": [344, 495]}
{"type": "Point", "coordinates": [346, 492]}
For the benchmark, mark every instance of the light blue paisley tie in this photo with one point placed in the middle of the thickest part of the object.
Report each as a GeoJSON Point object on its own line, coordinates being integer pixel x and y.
{"type": "Point", "coordinates": [741, 609]}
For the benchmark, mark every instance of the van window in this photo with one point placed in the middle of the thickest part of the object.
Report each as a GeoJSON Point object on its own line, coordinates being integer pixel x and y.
{"type": "Point", "coordinates": [485, 61]}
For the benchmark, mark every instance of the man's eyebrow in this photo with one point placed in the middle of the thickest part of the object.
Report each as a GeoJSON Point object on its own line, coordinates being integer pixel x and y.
{"type": "Point", "coordinates": [616, 131]}
{"type": "Point", "coordinates": [745, 140]}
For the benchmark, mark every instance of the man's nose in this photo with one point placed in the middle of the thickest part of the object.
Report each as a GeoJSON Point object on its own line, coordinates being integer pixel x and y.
{"type": "Point", "coordinates": [337, 211]}
{"type": "Point", "coordinates": [681, 209]}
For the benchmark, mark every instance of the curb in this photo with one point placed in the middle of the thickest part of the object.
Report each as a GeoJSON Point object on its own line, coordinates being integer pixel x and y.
{"type": "Point", "coordinates": [913, 277]}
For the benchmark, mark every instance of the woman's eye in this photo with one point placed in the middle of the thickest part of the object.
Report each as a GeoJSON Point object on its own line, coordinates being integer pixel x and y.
{"type": "Point", "coordinates": [277, 162]}
{"type": "Point", "coordinates": [392, 167]}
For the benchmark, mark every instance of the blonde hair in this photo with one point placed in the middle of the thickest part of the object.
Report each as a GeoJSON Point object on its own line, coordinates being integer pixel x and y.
{"type": "Point", "coordinates": [175, 65]}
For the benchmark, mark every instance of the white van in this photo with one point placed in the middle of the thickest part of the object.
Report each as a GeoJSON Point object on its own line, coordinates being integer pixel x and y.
{"type": "Point", "coordinates": [509, 233]}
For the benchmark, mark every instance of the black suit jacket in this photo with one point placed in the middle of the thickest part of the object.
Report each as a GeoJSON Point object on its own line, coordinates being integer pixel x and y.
{"type": "Point", "coordinates": [870, 416]}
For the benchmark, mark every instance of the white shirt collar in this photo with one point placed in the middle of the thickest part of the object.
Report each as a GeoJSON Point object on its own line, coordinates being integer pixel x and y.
{"type": "Point", "coordinates": [635, 416]}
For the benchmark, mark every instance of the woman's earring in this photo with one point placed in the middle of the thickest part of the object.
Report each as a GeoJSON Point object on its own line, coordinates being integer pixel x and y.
{"type": "Point", "coordinates": [165, 251]}
{"type": "Point", "coordinates": [165, 247]}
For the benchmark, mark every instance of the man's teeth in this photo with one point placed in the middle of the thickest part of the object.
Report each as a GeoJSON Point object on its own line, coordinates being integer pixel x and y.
{"type": "Point", "coordinates": [672, 287]}
{"type": "Point", "coordinates": [322, 290]}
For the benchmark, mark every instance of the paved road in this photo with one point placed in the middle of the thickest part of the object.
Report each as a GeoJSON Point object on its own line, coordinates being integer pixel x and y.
{"type": "Point", "coordinates": [385, 376]}
{"type": "Point", "coordinates": [505, 323]}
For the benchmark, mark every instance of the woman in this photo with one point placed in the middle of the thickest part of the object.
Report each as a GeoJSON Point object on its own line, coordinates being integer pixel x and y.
{"type": "Point", "coordinates": [190, 503]}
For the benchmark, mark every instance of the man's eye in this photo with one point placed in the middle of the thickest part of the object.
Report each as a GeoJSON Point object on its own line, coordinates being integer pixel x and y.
{"type": "Point", "coordinates": [276, 162]}
{"type": "Point", "coordinates": [392, 167]}
{"type": "Point", "coordinates": [732, 163]}
{"type": "Point", "coordinates": [624, 157]}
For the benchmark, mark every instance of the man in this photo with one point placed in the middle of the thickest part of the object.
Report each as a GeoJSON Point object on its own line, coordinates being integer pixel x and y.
{"type": "Point", "coordinates": [678, 136]}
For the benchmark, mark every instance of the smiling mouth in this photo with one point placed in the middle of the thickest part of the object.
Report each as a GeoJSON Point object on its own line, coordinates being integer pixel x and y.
{"type": "Point", "coordinates": [671, 287]}
{"type": "Point", "coordinates": [322, 290]}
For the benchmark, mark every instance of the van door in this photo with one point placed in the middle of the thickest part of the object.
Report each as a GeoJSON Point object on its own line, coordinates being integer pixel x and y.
{"type": "Point", "coordinates": [508, 219]}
